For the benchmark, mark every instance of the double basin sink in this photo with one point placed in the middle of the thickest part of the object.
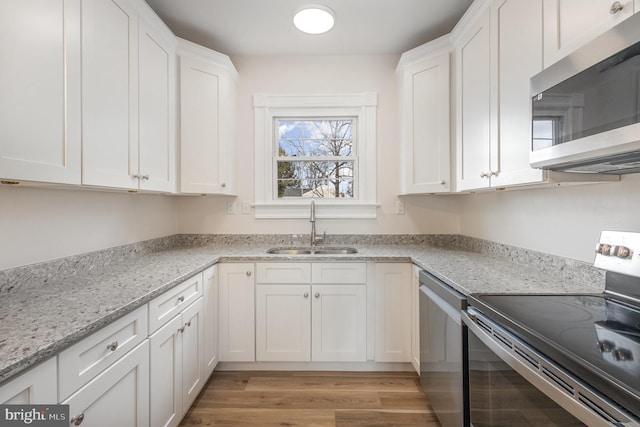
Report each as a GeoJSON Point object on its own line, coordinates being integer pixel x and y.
{"type": "Point", "coordinates": [327, 250]}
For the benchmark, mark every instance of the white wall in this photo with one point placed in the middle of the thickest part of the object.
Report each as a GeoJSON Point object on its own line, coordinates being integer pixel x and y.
{"type": "Point", "coordinates": [564, 221]}
{"type": "Point", "coordinates": [320, 74]}
{"type": "Point", "coordinates": [42, 224]}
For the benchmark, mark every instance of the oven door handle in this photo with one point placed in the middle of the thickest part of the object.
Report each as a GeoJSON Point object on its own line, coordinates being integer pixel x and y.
{"type": "Point", "coordinates": [523, 360]}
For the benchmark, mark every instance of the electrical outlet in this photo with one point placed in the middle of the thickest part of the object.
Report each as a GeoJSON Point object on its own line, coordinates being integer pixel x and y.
{"type": "Point", "coordinates": [246, 207]}
{"type": "Point", "coordinates": [399, 207]}
{"type": "Point", "coordinates": [231, 207]}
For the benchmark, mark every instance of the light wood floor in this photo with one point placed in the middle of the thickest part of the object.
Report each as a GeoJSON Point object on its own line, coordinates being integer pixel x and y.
{"type": "Point", "coordinates": [340, 399]}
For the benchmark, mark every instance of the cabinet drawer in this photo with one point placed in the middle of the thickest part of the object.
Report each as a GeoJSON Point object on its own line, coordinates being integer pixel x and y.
{"type": "Point", "coordinates": [339, 272]}
{"type": "Point", "coordinates": [283, 272]}
{"type": "Point", "coordinates": [86, 359]}
{"type": "Point", "coordinates": [163, 308]}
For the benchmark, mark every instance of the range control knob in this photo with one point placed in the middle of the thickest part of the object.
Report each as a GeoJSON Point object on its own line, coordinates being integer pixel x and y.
{"type": "Point", "coordinates": [622, 252]}
{"type": "Point", "coordinates": [603, 249]}
{"type": "Point", "coordinates": [605, 346]}
{"type": "Point", "coordinates": [621, 355]}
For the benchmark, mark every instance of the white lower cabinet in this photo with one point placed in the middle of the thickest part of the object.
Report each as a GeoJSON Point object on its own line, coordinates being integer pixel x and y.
{"type": "Point", "coordinates": [36, 386]}
{"type": "Point", "coordinates": [210, 320]}
{"type": "Point", "coordinates": [236, 293]}
{"type": "Point", "coordinates": [311, 312]}
{"type": "Point", "coordinates": [393, 312]}
{"type": "Point", "coordinates": [176, 354]}
{"type": "Point", "coordinates": [119, 396]}
{"type": "Point", "coordinates": [339, 323]}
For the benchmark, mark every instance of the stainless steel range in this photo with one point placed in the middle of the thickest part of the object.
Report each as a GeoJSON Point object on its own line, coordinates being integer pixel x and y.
{"type": "Point", "coordinates": [560, 359]}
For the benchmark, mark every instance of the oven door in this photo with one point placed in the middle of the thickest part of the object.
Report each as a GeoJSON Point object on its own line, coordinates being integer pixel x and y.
{"type": "Point", "coordinates": [512, 384]}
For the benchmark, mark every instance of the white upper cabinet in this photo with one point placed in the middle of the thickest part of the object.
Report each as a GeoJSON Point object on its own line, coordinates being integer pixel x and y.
{"type": "Point", "coordinates": [424, 76]}
{"type": "Point", "coordinates": [109, 89]}
{"type": "Point", "coordinates": [568, 24]}
{"type": "Point", "coordinates": [517, 33]}
{"type": "Point", "coordinates": [127, 98]}
{"type": "Point", "coordinates": [40, 87]}
{"type": "Point", "coordinates": [207, 111]}
{"type": "Point", "coordinates": [473, 104]}
{"type": "Point", "coordinates": [156, 108]}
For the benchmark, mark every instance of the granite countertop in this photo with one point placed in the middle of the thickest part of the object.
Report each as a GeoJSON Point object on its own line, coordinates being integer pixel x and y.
{"type": "Point", "coordinates": [41, 317]}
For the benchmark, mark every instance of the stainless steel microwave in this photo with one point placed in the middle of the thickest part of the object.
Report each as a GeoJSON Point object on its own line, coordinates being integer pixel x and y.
{"type": "Point", "coordinates": [586, 107]}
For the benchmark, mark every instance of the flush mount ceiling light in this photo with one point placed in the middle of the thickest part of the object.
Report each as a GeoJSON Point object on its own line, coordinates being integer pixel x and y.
{"type": "Point", "coordinates": [314, 19]}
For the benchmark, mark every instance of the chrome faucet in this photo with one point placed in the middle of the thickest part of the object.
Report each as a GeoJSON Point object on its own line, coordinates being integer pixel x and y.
{"type": "Point", "coordinates": [312, 220]}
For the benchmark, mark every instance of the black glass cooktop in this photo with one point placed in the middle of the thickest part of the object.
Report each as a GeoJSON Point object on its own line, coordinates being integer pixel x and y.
{"type": "Point", "coordinates": [593, 336]}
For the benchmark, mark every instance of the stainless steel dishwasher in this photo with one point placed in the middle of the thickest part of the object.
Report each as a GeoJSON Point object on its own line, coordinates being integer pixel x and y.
{"type": "Point", "coordinates": [443, 350]}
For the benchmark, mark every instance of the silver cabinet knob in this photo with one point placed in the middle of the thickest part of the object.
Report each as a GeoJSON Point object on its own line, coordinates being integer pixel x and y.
{"type": "Point", "coordinates": [135, 176]}
{"type": "Point", "coordinates": [484, 175]}
{"type": "Point", "coordinates": [145, 177]}
{"type": "Point", "coordinates": [317, 295]}
{"type": "Point", "coordinates": [181, 299]}
{"type": "Point", "coordinates": [616, 7]}
{"type": "Point", "coordinates": [223, 185]}
{"type": "Point", "coordinates": [188, 324]}
{"type": "Point", "coordinates": [77, 420]}
{"type": "Point", "coordinates": [113, 346]}
{"type": "Point", "coordinates": [248, 272]}
{"type": "Point", "coordinates": [493, 173]}
{"type": "Point", "coordinates": [306, 294]}
{"type": "Point", "coordinates": [443, 182]}
{"type": "Point", "coordinates": [181, 330]}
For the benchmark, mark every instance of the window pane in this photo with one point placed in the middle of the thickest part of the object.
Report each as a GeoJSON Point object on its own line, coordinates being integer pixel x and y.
{"type": "Point", "coordinates": [315, 138]}
{"type": "Point", "coordinates": [315, 179]}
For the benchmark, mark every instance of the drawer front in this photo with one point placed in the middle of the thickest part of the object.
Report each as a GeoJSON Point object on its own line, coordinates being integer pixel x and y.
{"type": "Point", "coordinates": [86, 359]}
{"type": "Point", "coordinates": [166, 306]}
{"type": "Point", "coordinates": [283, 272]}
{"type": "Point", "coordinates": [339, 272]}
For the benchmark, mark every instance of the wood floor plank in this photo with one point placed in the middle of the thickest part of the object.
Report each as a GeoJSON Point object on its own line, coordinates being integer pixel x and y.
{"type": "Point", "coordinates": [385, 419]}
{"type": "Point", "coordinates": [334, 383]}
{"type": "Point", "coordinates": [290, 399]}
{"type": "Point", "coordinates": [322, 399]}
{"type": "Point", "coordinates": [240, 417]}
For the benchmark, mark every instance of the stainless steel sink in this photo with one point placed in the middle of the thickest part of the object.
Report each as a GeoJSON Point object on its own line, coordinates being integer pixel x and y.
{"type": "Point", "coordinates": [312, 250]}
{"type": "Point", "coordinates": [289, 251]}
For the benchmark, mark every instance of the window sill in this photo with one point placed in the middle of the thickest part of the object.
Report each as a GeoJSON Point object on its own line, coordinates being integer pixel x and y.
{"type": "Point", "coordinates": [324, 210]}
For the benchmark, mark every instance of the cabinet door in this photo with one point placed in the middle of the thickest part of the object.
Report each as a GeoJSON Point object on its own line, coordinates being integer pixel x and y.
{"type": "Point", "coordinates": [517, 36]}
{"type": "Point", "coordinates": [415, 318]}
{"type": "Point", "coordinates": [210, 320]}
{"type": "Point", "coordinates": [425, 126]}
{"type": "Point", "coordinates": [109, 93]}
{"type": "Point", "coordinates": [283, 323]}
{"type": "Point", "coordinates": [339, 323]}
{"type": "Point", "coordinates": [117, 397]}
{"type": "Point", "coordinates": [203, 149]}
{"type": "Point", "coordinates": [571, 23]}
{"type": "Point", "coordinates": [40, 87]}
{"type": "Point", "coordinates": [165, 357]}
{"type": "Point", "coordinates": [156, 116]}
{"type": "Point", "coordinates": [237, 313]}
{"type": "Point", "coordinates": [393, 316]}
{"type": "Point", "coordinates": [192, 354]}
{"type": "Point", "coordinates": [36, 386]}
{"type": "Point", "coordinates": [474, 104]}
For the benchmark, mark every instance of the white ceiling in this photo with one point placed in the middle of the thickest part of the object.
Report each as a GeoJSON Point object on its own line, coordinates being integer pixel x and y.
{"type": "Point", "coordinates": [265, 27]}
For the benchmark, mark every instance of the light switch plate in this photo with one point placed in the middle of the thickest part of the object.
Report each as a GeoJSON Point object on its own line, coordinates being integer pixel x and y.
{"type": "Point", "coordinates": [399, 207]}
{"type": "Point", "coordinates": [231, 207]}
{"type": "Point", "coordinates": [246, 207]}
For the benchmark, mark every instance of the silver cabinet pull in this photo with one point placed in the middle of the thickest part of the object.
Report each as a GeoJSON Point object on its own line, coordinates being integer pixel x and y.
{"type": "Point", "coordinates": [188, 324]}
{"type": "Point", "coordinates": [317, 295]}
{"type": "Point", "coordinates": [77, 420]}
{"type": "Point", "coordinates": [484, 175]}
{"type": "Point", "coordinates": [181, 330]}
{"type": "Point", "coordinates": [145, 177]}
{"type": "Point", "coordinates": [616, 7]}
{"type": "Point", "coordinates": [248, 272]}
{"type": "Point", "coordinates": [494, 173]}
{"type": "Point", "coordinates": [135, 176]}
{"type": "Point", "coordinates": [181, 299]}
{"type": "Point", "coordinates": [306, 294]}
{"type": "Point", "coordinates": [113, 346]}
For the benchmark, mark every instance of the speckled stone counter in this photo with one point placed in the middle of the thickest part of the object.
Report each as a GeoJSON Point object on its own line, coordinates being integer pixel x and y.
{"type": "Point", "coordinates": [46, 307]}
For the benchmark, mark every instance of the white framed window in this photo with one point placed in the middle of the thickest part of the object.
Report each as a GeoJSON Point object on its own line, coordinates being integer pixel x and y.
{"type": "Point", "coordinates": [315, 147]}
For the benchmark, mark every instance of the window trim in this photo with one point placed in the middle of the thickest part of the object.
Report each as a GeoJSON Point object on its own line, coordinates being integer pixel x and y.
{"type": "Point", "coordinates": [267, 107]}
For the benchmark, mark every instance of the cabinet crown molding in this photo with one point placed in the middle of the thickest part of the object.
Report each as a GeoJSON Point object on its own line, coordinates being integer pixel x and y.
{"type": "Point", "coordinates": [193, 50]}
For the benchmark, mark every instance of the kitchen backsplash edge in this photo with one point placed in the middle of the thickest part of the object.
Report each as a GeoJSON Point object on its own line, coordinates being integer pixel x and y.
{"type": "Point", "coordinates": [41, 273]}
